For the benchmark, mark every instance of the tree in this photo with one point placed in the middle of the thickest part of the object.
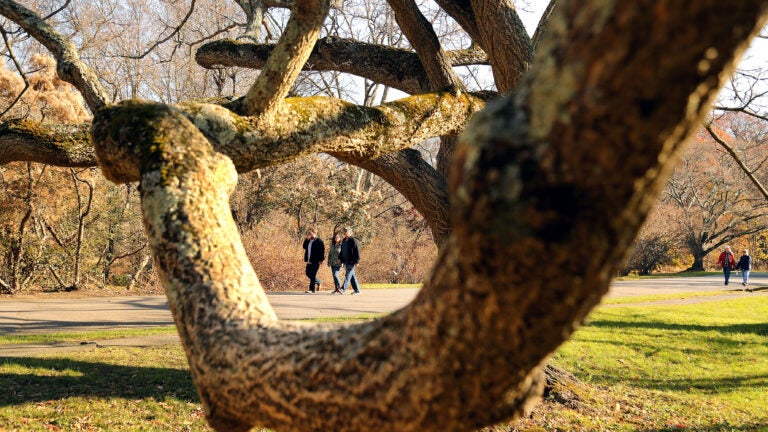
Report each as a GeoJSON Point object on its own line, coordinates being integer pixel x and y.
{"type": "Point", "coordinates": [656, 242]}
{"type": "Point", "coordinates": [563, 169]}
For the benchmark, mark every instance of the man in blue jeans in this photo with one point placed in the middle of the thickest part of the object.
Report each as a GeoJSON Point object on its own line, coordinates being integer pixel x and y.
{"type": "Point", "coordinates": [350, 257]}
{"type": "Point", "coordinates": [314, 255]}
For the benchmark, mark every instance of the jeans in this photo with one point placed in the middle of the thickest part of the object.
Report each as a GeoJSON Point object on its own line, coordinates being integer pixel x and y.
{"type": "Point", "coordinates": [335, 273]}
{"type": "Point", "coordinates": [350, 278]}
{"type": "Point", "coordinates": [727, 273]}
{"type": "Point", "coordinates": [312, 275]}
{"type": "Point", "coordinates": [745, 276]}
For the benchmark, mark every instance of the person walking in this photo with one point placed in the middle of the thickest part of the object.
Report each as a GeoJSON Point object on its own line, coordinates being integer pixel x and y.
{"type": "Point", "coordinates": [745, 265]}
{"type": "Point", "coordinates": [314, 255]}
{"type": "Point", "coordinates": [350, 257]}
{"type": "Point", "coordinates": [334, 262]}
{"type": "Point", "coordinates": [727, 262]}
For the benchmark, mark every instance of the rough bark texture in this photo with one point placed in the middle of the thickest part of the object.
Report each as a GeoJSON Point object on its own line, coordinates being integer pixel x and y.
{"type": "Point", "coordinates": [535, 178]}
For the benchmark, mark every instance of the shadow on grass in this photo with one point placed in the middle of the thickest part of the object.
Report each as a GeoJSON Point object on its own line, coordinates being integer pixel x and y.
{"type": "Point", "coordinates": [46, 379]}
{"type": "Point", "coordinates": [758, 329]}
{"type": "Point", "coordinates": [709, 386]}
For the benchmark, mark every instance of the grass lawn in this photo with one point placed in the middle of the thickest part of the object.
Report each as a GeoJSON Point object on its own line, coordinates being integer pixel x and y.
{"type": "Point", "coordinates": [700, 367]}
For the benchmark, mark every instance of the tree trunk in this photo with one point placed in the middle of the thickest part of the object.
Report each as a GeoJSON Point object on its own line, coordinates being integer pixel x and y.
{"type": "Point", "coordinates": [534, 179]}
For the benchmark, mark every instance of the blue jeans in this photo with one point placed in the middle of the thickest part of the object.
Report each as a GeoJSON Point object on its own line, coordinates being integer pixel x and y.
{"type": "Point", "coordinates": [312, 275]}
{"type": "Point", "coordinates": [350, 278]}
{"type": "Point", "coordinates": [745, 276]}
{"type": "Point", "coordinates": [335, 273]}
{"type": "Point", "coordinates": [727, 273]}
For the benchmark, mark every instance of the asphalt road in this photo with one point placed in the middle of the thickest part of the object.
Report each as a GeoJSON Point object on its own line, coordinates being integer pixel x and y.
{"type": "Point", "coordinates": [30, 316]}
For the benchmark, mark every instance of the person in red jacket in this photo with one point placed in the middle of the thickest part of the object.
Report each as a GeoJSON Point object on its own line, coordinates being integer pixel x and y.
{"type": "Point", "coordinates": [727, 262]}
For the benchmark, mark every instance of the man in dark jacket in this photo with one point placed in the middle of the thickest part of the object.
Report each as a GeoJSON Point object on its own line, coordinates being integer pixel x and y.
{"type": "Point", "coordinates": [314, 255]}
{"type": "Point", "coordinates": [350, 257]}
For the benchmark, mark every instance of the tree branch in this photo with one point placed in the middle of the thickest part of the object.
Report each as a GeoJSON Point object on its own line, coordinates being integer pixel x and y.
{"type": "Point", "coordinates": [69, 66]}
{"type": "Point", "coordinates": [417, 180]}
{"type": "Point", "coordinates": [287, 59]}
{"type": "Point", "coordinates": [175, 31]}
{"type": "Point", "coordinates": [721, 142]}
{"type": "Point", "coordinates": [59, 145]}
{"type": "Point", "coordinates": [312, 125]}
{"type": "Point", "coordinates": [504, 38]}
{"type": "Point", "coordinates": [541, 28]}
{"type": "Point", "coordinates": [424, 41]}
{"type": "Point", "coordinates": [19, 69]}
{"type": "Point", "coordinates": [393, 67]}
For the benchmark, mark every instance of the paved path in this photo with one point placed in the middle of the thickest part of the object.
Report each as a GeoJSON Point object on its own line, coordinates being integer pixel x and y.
{"type": "Point", "coordinates": [32, 316]}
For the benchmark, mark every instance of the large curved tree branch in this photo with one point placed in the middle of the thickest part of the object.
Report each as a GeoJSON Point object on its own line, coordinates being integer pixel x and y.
{"type": "Point", "coordinates": [394, 67]}
{"type": "Point", "coordinates": [311, 125]}
{"type": "Point", "coordinates": [417, 180]}
{"type": "Point", "coordinates": [538, 176]}
{"type": "Point", "coordinates": [287, 59]}
{"type": "Point", "coordinates": [68, 64]}
{"type": "Point", "coordinates": [541, 27]}
{"type": "Point", "coordinates": [504, 38]}
{"type": "Point", "coordinates": [424, 41]}
{"type": "Point", "coordinates": [32, 141]}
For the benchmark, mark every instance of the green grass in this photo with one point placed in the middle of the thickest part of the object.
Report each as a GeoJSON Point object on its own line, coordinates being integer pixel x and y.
{"type": "Point", "coordinates": [49, 338]}
{"type": "Point", "coordinates": [700, 367]}
{"type": "Point", "coordinates": [661, 297]}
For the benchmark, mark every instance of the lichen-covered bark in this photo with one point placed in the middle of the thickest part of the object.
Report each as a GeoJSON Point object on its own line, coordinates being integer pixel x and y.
{"type": "Point", "coordinates": [557, 174]}
{"type": "Point", "coordinates": [288, 58]}
{"type": "Point", "coordinates": [319, 124]}
{"type": "Point", "coordinates": [310, 125]}
{"type": "Point", "coordinates": [31, 141]}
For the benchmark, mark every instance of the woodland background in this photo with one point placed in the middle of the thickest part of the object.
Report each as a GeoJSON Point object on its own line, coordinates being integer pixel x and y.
{"type": "Point", "coordinates": [67, 229]}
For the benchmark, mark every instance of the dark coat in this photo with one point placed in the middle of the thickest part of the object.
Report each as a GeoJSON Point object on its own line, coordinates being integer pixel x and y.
{"type": "Point", "coordinates": [318, 251]}
{"type": "Point", "coordinates": [350, 251]}
{"type": "Point", "coordinates": [745, 263]}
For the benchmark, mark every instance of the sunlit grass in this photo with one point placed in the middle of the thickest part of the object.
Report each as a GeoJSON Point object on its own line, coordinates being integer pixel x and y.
{"type": "Point", "coordinates": [661, 297]}
{"type": "Point", "coordinates": [86, 335]}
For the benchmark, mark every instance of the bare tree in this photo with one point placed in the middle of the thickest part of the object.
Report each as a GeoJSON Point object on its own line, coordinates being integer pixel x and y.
{"type": "Point", "coordinates": [570, 161]}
